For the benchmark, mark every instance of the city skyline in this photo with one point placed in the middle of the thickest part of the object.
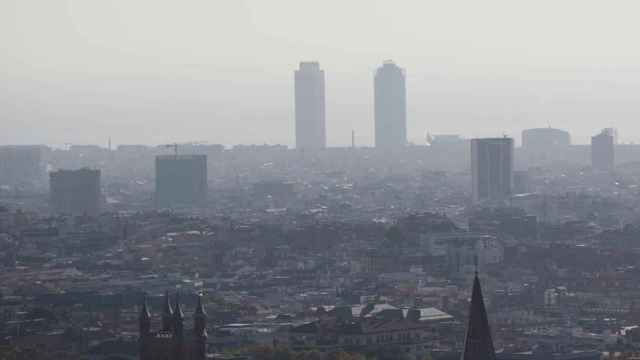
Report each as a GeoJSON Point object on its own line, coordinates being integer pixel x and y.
{"type": "Point", "coordinates": [368, 140]}
{"type": "Point", "coordinates": [106, 69]}
{"type": "Point", "coordinates": [323, 180]}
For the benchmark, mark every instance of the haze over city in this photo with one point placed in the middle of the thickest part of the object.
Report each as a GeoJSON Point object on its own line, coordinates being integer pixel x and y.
{"type": "Point", "coordinates": [319, 180]}
{"type": "Point", "coordinates": [152, 72]}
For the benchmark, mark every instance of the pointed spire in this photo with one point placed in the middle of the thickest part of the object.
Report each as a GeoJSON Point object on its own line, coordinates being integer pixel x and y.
{"type": "Point", "coordinates": [167, 303]}
{"type": "Point", "coordinates": [144, 313]}
{"type": "Point", "coordinates": [478, 344]}
{"type": "Point", "coordinates": [200, 319]}
{"type": "Point", "coordinates": [145, 317]}
{"type": "Point", "coordinates": [200, 331]}
{"type": "Point", "coordinates": [178, 330]}
{"type": "Point", "coordinates": [200, 308]}
{"type": "Point", "coordinates": [177, 310]}
{"type": "Point", "coordinates": [167, 313]}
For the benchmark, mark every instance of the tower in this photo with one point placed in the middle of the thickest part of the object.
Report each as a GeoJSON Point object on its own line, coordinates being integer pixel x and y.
{"type": "Point", "coordinates": [145, 330]}
{"type": "Point", "coordinates": [75, 192]}
{"type": "Point", "coordinates": [478, 344]}
{"type": "Point", "coordinates": [22, 165]}
{"type": "Point", "coordinates": [181, 180]}
{"type": "Point", "coordinates": [390, 108]}
{"type": "Point", "coordinates": [178, 331]}
{"type": "Point", "coordinates": [310, 107]}
{"type": "Point", "coordinates": [491, 168]}
{"type": "Point", "coordinates": [172, 342]}
{"type": "Point", "coordinates": [544, 139]}
{"type": "Point", "coordinates": [199, 332]}
{"type": "Point", "coordinates": [603, 150]}
{"type": "Point", "coordinates": [167, 314]}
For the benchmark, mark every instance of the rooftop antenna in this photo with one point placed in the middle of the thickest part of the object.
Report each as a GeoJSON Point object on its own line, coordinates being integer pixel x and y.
{"type": "Point", "coordinates": [353, 139]}
{"type": "Point", "coordinates": [109, 143]}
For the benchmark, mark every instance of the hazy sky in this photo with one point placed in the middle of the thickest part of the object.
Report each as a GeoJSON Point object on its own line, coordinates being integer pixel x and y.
{"type": "Point", "coordinates": [157, 71]}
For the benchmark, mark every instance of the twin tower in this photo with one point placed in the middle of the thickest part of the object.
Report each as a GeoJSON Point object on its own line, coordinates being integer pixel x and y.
{"type": "Point", "coordinates": [390, 98]}
{"type": "Point", "coordinates": [172, 342]}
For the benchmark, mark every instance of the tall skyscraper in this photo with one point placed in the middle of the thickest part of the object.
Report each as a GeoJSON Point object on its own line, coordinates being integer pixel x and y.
{"type": "Point", "coordinates": [310, 107]}
{"type": "Point", "coordinates": [603, 150]}
{"type": "Point", "coordinates": [75, 192]}
{"type": "Point", "coordinates": [540, 146]}
{"type": "Point", "coordinates": [390, 97]}
{"type": "Point", "coordinates": [181, 180]}
{"type": "Point", "coordinates": [545, 139]}
{"type": "Point", "coordinates": [491, 168]}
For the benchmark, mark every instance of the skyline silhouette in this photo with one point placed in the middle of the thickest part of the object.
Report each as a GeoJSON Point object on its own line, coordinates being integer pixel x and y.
{"type": "Point", "coordinates": [221, 70]}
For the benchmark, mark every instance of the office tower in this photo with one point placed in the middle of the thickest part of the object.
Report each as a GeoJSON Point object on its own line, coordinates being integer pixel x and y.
{"type": "Point", "coordinates": [310, 107]}
{"type": "Point", "coordinates": [390, 99]}
{"type": "Point", "coordinates": [22, 165]}
{"type": "Point", "coordinates": [542, 139]}
{"type": "Point", "coordinates": [181, 180]}
{"type": "Point", "coordinates": [603, 150]}
{"type": "Point", "coordinates": [543, 145]}
{"type": "Point", "coordinates": [613, 132]}
{"type": "Point", "coordinates": [491, 168]}
{"type": "Point", "coordinates": [75, 192]}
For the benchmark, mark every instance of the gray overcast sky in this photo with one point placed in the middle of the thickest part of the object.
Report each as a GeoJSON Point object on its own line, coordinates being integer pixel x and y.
{"type": "Point", "coordinates": [155, 71]}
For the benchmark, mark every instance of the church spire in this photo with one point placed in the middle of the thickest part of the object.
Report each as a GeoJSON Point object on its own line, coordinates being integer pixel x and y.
{"type": "Point", "coordinates": [200, 331]}
{"type": "Point", "coordinates": [145, 330]}
{"type": "Point", "coordinates": [167, 313]}
{"type": "Point", "coordinates": [178, 330]}
{"type": "Point", "coordinates": [178, 317]}
{"type": "Point", "coordinates": [478, 344]}
{"type": "Point", "coordinates": [145, 317]}
{"type": "Point", "coordinates": [200, 319]}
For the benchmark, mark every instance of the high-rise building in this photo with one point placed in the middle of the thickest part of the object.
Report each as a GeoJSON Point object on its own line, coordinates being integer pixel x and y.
{"type": "Point", "coordinates": [613, 132]}
{"type": "Point", "coordinates": [75, 192]}
{"type": "Point", "coordinates": [181, 180]}
{"type": "Point", "coordinates": [603, 150]}
{"type": "Point", "coordinates": [542, 146]}
{"type": "Point", "coordinates": [491, 168]}
{"type": "Point", "coordinates": [310, 107]}
{"type": "Point", "coordinates": [22, 165]}
{"type": "Point", "coordinates": [542, 139]}
{"type": "Point", "coordinates": [390, 97]}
